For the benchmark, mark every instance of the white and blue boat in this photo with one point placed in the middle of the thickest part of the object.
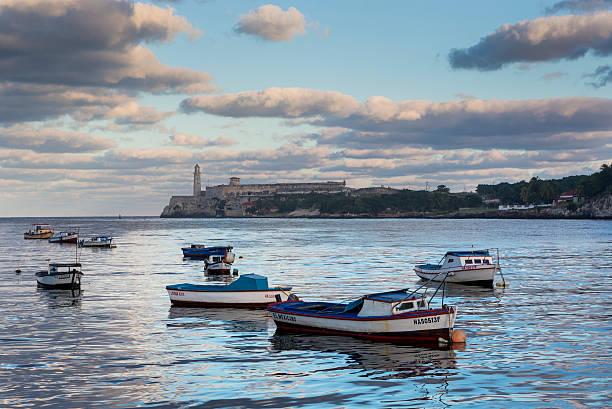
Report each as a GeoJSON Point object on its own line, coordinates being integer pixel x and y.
{"type": "Point", "coordinates": [474, 267]}
{"type": "Point", "coordinates": [98, 241]}
{"type": "Point", "coordinates": [398, 315]}
{"type": "Point", "coordinates": [61, 276]}
{"type": "Point", "coordinates": [248, 291]}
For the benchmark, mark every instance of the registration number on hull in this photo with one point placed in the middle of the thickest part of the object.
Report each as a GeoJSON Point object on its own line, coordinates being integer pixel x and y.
{"type": "Point", "coordinates": [283, 317]}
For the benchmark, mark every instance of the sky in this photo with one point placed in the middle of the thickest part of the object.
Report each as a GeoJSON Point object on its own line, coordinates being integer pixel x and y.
{"type": "Point", "coordinates": [107, 105]}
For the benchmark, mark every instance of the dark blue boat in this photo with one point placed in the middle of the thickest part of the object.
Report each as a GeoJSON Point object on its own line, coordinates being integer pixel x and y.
{"type": "Point", "coordinates": [201, 251]}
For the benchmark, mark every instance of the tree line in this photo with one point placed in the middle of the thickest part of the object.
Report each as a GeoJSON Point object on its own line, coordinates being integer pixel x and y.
{"type": "Point", "coordinates": [539, 191]}
{"type": "Point", "coordinates": [404, 201]}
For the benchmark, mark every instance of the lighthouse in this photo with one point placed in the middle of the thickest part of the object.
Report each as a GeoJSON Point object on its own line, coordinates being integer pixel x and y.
{"type": "Point", "coordinates": [197, 184]}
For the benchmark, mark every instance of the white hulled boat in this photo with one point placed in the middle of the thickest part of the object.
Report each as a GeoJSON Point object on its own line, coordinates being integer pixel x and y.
{"type": "Point", "coordinates": [60, 275]}
{"type": "Point", "coordinates": [98, 241]}
{"type": "Point", "coordinates": [248, 291]}
{"type": "Point", "coordinates": [466, 267]}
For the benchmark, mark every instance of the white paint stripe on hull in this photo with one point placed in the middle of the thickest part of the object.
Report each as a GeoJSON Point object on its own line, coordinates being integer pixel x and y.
{"type": "Point", "coordinates": [227, 297]}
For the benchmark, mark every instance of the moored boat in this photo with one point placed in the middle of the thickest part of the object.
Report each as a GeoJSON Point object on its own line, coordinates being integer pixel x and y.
{"type": "Point", "coordinates": [98, 241]}
{"type": "Point", "coordinates": [60, 275]}
{"type": "Point", "coordinates": [466, 267]}
{"type": "Point", "coordinates": [397, 315]}
{"type": "Point", "coordinates": [65, 237]}
{"type": "Point", "coordinates": [39, 231]}
{"type": "Point", "coordinates": [218, 260]}
{"type": "Point", "coordinates": [248, 291]}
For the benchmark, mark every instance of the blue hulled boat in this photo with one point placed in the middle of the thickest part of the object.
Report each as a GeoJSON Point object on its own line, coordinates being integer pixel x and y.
{"type": "Point", "coordinates": [392, 316]}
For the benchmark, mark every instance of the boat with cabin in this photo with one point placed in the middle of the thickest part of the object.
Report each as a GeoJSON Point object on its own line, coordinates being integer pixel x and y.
{"type": "Point", "coordinates": [39, 231]}
{"type": "Point", "coordinates": [61, 276]}
{"type": "Point", "coordinates": [248, 291]}
{"type": "Point", "coordinates": [398, 315]}
{"type": "Point", "coordinates": [475, 267]}
{"type": "Point", "coordinates": [65, 237]}
{"type": "Point", "coordinates": [98, 242]}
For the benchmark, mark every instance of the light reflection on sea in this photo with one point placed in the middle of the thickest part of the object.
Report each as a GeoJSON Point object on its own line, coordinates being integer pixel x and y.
{"type": "Point", "coordinates": [543, 341]}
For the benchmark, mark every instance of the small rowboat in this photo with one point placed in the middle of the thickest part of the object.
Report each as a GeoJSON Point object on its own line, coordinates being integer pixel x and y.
{"type": "Point", "coordinates": [392, 316]}
{"type": "Point", "coordinates": [65, 237]}
{"type": "Point", "coordinates": [248, 291]}
{"type": "Point", "coordinates": [466, 267]}
{"type": "Point", "coordinates": [39, 231]}
{"type": "Point", "coordinates": [60, 275]}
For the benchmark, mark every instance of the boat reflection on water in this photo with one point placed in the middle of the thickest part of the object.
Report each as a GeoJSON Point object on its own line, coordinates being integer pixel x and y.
{"type": "Point", "coordinates": [382, 360]}
{"type": "Point", "coordinates": [61, 298]}
{"type": "Point", "coordinates": [229, 319]}
{"type": "Point", "coordinates": [461, 290]}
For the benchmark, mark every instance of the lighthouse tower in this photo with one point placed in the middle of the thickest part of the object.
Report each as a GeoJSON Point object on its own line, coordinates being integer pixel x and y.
{"type": "Point", "coordinates": [197, 184]}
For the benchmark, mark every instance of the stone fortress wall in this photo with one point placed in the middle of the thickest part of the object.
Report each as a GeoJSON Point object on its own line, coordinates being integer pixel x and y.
{"type": "Point", "coordinates": [232, 199]}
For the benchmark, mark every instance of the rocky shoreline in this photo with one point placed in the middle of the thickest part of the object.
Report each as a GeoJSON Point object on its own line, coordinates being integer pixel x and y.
{"type": "Point", "coordinates": [600, 209]}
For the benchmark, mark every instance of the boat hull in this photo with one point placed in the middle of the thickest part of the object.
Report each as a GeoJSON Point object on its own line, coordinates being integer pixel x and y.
{"type": "Point", "coordinates": [98, 245]}
{"type": "Point", "coordinates": [72, 239]}
{"type": "Point", "coordinates": [32, 236]}
{"type": "Point", "coordinates": [234, 299]}
{"type": "Point", "coordinates": [477, 276]}
{"type": "Point", "coordinates": [60, 281]}
{"type": "Point", "coordinates": [218, 269]}
{"type": "Point", "coordinates": [423, 326]}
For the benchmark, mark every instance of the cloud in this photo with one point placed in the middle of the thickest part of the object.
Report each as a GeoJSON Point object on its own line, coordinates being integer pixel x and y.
{"type": "Point", "coordinates": [273, 102]}
{"type": "Point", "coordinates": [270, 22]}
{"type": "Point", "coordinates": [579, 5]}
{"type": "Point", "coordinates": [543, 39]}
{"type": "Point", "coordinates": [601, 77]}
{"type": "Point", "coordinates": [52, 140]}
{"type": "Point", "coordinates": [549, 123]}
{"type": "Point", "coordinates": [182, 139]}
{"type": "Point", "coordinates": [132, 113]}
{"type": "Point", "coordinates": [554, 75]}
{"type": "Point", "coordinates": [93, 43]}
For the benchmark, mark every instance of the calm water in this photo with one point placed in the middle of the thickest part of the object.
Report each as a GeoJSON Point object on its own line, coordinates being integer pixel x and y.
{"type": "Point", "coordinates": [545, 341]}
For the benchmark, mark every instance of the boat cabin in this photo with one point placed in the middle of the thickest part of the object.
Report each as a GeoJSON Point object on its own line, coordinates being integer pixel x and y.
{"type": "Point", "coordinates": [40, 228]}
{"type": "Point", "coordinates": [467, 258]}
{"type": "Point", "coordinates": [387, 303]}
{"type": "Point", "coordinates": [64, 268]}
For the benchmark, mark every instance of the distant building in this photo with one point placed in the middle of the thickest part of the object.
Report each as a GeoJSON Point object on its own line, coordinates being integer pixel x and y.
{"type": "Point", "coordinates": [567, 197]}
{"type": "Point", "coordinates": [234, 198]}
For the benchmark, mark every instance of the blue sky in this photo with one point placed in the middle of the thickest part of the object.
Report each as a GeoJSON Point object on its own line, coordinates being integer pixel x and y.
{"type": "Point", "coordinates": [108, 104]}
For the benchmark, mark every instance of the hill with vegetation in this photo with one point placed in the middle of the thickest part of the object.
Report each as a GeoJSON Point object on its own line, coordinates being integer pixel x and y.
{"type": "Point", "coordinates": [594, 191]}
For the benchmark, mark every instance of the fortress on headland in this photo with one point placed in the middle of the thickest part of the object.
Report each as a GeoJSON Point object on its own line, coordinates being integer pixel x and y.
{"type": "Point", "coordinates": [232, 200]}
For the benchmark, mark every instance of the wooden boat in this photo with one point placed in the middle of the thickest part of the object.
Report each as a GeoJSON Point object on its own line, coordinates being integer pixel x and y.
{"type": "Point", "coordinates": [39, 231]}
{"type": "Point", "coordinates": [465, 267]}
{"type": "Point", "coordinates": [65, 237]}
{"type": "Point", "coordinates": [98, 241]}
{"type": "Point", "coordinates": [248, 291]}
{"type": "Point", "coordinates": [218, 260]}
{"type": "Point", "coordinates": [60, 275]}
{"type": "Point", "coordinates": [396, 315]}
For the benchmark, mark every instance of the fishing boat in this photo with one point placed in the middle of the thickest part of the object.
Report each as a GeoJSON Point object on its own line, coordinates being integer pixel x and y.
{"type": "Point", "coordinates": [98, 241]}
{"type": "Point", "coordinates": [39, 231]}
{"type": "Point", "coordinates": [218, 260]}
{"type": "Point", "coordinates": [466, 267]}
{"type": "Point", "coordinates": [60, 275]}
{"type": "Point", "coordinates": [248, 291]}
{"type": "Point", "coordinates": [397, 315]}
{"type": "Point", "coordinates": [65, 237]}
{"type": "Point", "coordinates": [203, 251]}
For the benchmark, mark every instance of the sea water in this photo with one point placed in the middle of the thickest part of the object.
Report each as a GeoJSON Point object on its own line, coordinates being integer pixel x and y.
{"type": "Point", "coordinates": [543, 341]}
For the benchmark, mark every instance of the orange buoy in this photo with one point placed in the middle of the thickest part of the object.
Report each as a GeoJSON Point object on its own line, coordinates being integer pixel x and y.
{"type": "Point", "coordinates": [458, 336]}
